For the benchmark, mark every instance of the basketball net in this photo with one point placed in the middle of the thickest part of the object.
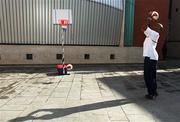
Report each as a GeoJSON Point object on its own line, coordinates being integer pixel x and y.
{"type": "Point", "coordinates": [63, 23]}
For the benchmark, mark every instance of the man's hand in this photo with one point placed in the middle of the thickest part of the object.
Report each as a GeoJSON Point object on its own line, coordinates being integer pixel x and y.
{"type": "Point", "coordinates": [150, 13]}
{"type": "Point", "coordinates": [149, 19]}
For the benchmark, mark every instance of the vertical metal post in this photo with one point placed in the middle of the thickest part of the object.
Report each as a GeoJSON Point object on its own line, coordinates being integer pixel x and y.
{"type": "Point", "coordinates": [62, 46]}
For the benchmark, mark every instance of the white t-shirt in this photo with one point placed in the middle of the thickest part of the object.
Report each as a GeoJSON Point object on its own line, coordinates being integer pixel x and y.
{"type": "Point", "coordinates": [150, 43]}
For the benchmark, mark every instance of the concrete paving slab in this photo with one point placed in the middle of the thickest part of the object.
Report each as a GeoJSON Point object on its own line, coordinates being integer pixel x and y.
{"type": "Point", "coordinates": [111, 93]}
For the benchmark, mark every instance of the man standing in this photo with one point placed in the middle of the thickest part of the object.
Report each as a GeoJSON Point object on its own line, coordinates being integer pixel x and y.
{"type": "Point", "coordinates": [152, 31]}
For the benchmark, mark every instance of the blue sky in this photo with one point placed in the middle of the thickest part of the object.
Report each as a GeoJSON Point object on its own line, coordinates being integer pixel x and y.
{"type": "Point", "coordinates": [115, 3]}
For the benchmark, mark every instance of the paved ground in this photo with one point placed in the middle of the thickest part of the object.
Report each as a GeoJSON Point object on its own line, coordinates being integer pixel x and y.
{"type": "Point", "coordinates": [101, 93]}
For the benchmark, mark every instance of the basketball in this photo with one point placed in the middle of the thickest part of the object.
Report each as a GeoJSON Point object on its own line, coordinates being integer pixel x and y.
{"type": "Point", "coordinates": [69, 67]}
{"type": "Point", "coordinates": [155, 15]}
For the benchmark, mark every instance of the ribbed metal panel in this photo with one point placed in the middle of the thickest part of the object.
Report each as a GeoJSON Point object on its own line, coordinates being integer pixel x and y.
{"type": "Point", "coordinates": [30, 22]}
{"type": "Point", "coordinates": [129, 22]}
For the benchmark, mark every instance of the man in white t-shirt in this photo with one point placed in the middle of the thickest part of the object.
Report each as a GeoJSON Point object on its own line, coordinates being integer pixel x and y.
{"type": "Point", "coordinates": [151, 30]}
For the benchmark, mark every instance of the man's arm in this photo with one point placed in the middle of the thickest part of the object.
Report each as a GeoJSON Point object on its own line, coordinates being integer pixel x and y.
{"type": "Point", "coordinates": [160, 27]}
{"type": "Point", "coordinates": [144, 27]}
{"type": "Point", "coordinates": [148, 21]}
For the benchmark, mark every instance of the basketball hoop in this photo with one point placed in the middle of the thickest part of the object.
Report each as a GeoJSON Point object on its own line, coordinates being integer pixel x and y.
{"type": "Point", "coordinates": [63, 23]}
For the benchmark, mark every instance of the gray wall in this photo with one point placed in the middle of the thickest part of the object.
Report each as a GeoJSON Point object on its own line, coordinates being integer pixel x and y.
{"type": "Point", "coordinates": [173, 44]}
{"type": "Point", "coordinates": [16, 54]}
{"type": "Point", "coordinates": [175, 21]}
{"type": "Point", "coordinates": [30, 22]}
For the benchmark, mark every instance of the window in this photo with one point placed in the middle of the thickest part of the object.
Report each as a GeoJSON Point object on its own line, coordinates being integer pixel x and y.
{"type": "Point", "coordinates": [58, 56]}
{"type": "Point", "coordinates": [29, 56]}
{"type": "Point", "coordinates": [112, 56]}
{"type": "Point", "coordinates": [86, 56]}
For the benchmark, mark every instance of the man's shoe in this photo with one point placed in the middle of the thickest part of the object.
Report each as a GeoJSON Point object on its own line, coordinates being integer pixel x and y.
{"type": "Point", "coordinates": [150, 97]}
{"type": "Point", "coordinates": [156, 94]}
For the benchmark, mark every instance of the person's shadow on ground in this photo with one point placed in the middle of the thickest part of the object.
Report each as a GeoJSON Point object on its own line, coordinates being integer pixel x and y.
{"type": "Point", "coordinates": [58, 112]}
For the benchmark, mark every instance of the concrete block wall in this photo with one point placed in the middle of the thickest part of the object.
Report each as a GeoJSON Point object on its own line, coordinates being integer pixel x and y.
{"type": "Point", "coordinates": [16, 54]}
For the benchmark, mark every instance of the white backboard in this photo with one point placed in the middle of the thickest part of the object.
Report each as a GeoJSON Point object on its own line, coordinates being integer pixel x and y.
{"type": "Point", "coordinates": [59, 14]}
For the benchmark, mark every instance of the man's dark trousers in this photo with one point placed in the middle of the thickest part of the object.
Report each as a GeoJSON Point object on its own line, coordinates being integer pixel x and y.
{"type": "Point", "coordinates": [150, 75]}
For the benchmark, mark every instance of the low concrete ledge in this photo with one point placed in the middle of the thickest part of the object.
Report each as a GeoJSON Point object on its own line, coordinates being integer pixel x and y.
{"type": "Point", "coordinates": [16, 54]}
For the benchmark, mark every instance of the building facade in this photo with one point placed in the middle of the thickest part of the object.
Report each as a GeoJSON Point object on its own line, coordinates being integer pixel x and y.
{"type": "Point", "coordinates": [142, 7]}
{"type": "Point", "coordinates": [173, 41]}
{"type": "Point", "coordinates": [105, 31]}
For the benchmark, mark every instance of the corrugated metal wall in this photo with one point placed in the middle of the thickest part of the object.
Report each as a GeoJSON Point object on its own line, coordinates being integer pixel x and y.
{"type": "Point", "coordinates": [30, 22]}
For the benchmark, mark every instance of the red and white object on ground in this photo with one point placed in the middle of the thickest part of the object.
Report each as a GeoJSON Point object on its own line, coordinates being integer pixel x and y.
{"type": "Point", "coordinates": [62, 69]}
{"type": "Point", "coordinates": [69, 67]}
